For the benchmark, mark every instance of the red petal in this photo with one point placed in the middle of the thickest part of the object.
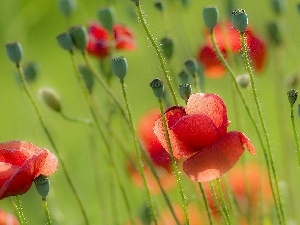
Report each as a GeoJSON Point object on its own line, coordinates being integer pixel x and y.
{"type": "Point", "coordinates": [180, 149]}
{"type": "Point", "coordinates": [213, 68]}
{"type": "Point", "coordinates": [50, 165]}
{"type": "Point", "coordinates": [210, 105]}
{"type": "Point", "coordinates": [124, 38]}
{"type": "Point", "coordinates": [98, 40]}
{"type": "Point", "coordinates": [27, 148]}
{"type": "Point", "coordinates": [196, 130]}
{"type": "Point", "coordinates": [15, 158]}
{"type": "Point", "coordinates": [257, 51]}
{"type": "Point", "coordinates": [211, 162]}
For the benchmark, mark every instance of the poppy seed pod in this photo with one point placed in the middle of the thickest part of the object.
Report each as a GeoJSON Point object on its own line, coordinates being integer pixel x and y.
{"type": "Point", "coordinates": [65, 41]}
{"type": "Point", "coordinates": [106, 17]}
{"type": "Point", "coordinates": [42, 184]}
{"type": "Point", "coordinates": [239, 20]}
{"type": "Point", "coordinates": [87, 76]}
{"type": "Point", "coordinates": [67, 7]}
{"type": "Point", "coordinates": [119, 67]}
{"type": "Point", "coordinates": [191, 65]}
{"type": "Point", "coordinates": [292, 96]}
{"type": "Point", "coordinates": [210, 16]}
{"type": "Point", "coordinates": [30, 71]}
{"type": "Point", "coordinates": [51, 98]}
{"type": "Point", "coordinates": [274, 33]}
{"type": "Point", "coordinates": [277, 6]}
{"type": "Point", "coordinates": [185, 90]}
{"type": "Point", "coordinates": [184, 77]}
{"type": "Point", "coordinates": [14, 51]}
{"type": "Point", "coordinates": [158, 88]}
{"type": "Point", "coordinates": [167, 47]}
{"type": "Point", "coordinates": [79, 37]}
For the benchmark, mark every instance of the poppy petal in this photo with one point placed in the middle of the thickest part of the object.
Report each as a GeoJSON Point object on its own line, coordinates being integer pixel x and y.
{"type": "Point", "coordinates": [50, 165]}
{"type": "Point", "coordinates": [124, 38]}
{"type": "Point", "coordinates": [180, 149]}
{"type": "Point", "coordinates": [27, 148]}
{"type": "Point", "coordinates": [212, 106]}
{"type": "Point", "coordinates": [257, 51]}
{"type": "Point", "coordinates": [98, 40]}
{"type": "Point", "coordinates": [196, 130]}
{"type": "Point", "coordinates": [213, 161]}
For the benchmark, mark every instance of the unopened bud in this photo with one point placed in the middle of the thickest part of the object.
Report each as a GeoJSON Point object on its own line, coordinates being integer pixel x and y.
{"type": "Point", "coordinates": [65, 41]}
{"type": "Point", "coordinates": [210, 16]}
{"type": "Point", "coordinates": [79, 37]}
{"type": "Point", "coordinates": [185, 91]}
{"type": "Point", "coordinates": [14, 51]}
{"type": "Point", "coordinates": [167, 47]}
{"type": "Point", "coordinates": [274, 33]}
{"type": "Point", "coordinates": [106, 17]}
{"type": "Point", "coordinates": [67, 7]}
{"type": "Point", "coordinates": [191, 65]}
{"type": "Point", "coordinates": [87, 76]}
{"type": "Point", "coordinates": [159, 5]}
{"type": "Point", "coordinates": [184, 77]}
{"type": "Point", "coordinates": [51, 98]}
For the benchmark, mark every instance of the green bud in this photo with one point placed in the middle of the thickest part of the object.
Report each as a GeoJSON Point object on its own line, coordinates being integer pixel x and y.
{"type": "Point", "coordinates": [51, 98]}
{"type": "Point", "coordinates": [106, 17]}
{"type": "Point", "coordinates": [277, 6]}
{"type": "Point", "coordinates": [239, 20]}
{"type": "Point", "coordinates": [67, 7]}
{"type": "Point", "coordinates": [185, 91]}
{"type": "Point", "coordinates": [145, 214]}
{"type": "Point", "coordinates": [159, 5]}
{"type": "Point", "coordinates": [79, 37]}
{"type": "Point", "coordinates": [243, 80]}
{"type": "Point", "coordinates": [292, 96]}
{"type": "Point", "coordinates": [274, 33]}
{"type": "Point", "coordinates": [167, 47]}
{"type": "Point", "coordinates": [87, 76]}
{"type": "Point", "coordinates": [298, 8]}
{"type": "Point", "coordinates": [65, 41]}
{"type": "Point", "coordinates": [210, 17]}
{"type": "Point", "coordinates": [136, 2]}
{"type": "Point", "coordinates": [184, 77]}
{"type": "Point", "coordinates": [42, 184]}
{"type": "Point", "coordinates": [158, 88]}
{"type": "Point", "coordinates": [191, 65]}
{"type": "Point", "coordinates": [14, 51]}
{"type": "Point", "coordinates": [30, 71]}
{"type": "Point", "coordinates": [119, 67]}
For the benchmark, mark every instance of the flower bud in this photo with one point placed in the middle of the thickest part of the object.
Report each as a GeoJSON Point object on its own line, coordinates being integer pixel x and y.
{"type": "Point", "coordinates": [67, 7]}
{"type": "Point", "coordinates": [274, 33]}
{"type": "Point", "coordinates": [119, 67]}
{"type": "Point", "coordinates": [292, 96]}
{"type": "Point", "coordinates": [65, 41]}
{"type": "Point", "coordinates": [159, 5]}
{"type": "Point", "coordinates": [51, 98]}
{"type": "Point", "coordinates": [185, 90]}
{"type": "Point", "coordinates": [14, 51]}
{"type": "Point", "coordinates": [277, 6]}
{"type": "Point", "coordinates": [87, 76]}
{"type": "Point", "coordinates": [79, 37]}
{"type": "Point", "coordinates": [210, 16]}
{"type": "Point", "coordinates": [191, 65]}
{"type": "Point", "coordinates": [136, 2]}
{"type": "Point", "coordinates": [239, 20]}
{"type": "Point", "coordinates": [106, 17]}
{"type": "Point", "coordinates": [42, 184]}
{"type": "Point", "coordinates": [158, 88]}
{"type": "Point", "coordinates": [184, 77]}
{"type": "Point", "coordinates": [30, 71]}
{"type": "Point", "coordinates": [243, 80]}
{"type": "Point", "coordinates": [167, 47]}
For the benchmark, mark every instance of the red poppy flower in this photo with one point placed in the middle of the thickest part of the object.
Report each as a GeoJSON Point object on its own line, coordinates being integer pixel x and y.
{"type": "Point", "coordinates": [150, 142]}
{"type": "Point", "coordinates": [99, 39]}
{"type": "Point", "coordinates": [228, 39]}
{"type": "Point", "coordinates": [20, 163]}
{"type": "Point", "coordinates": [199, 132]}
{"type": "Point", "coordinates": [7, 218]}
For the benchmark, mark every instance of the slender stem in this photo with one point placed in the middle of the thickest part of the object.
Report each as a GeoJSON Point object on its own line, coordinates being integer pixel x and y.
{"type": "Point", "coordinates": [15, 209]}
{"type": "Point", "coordinates": [157, 49]}
{"type": "Point", "coordinates": [258, 106]}
{"type": "Point", "coordinates": [138, 153]}
{"type": "Point", "coordinates": [62, 164]}
{"type": "Point", "coordinates": [223, 203]}
{"type": "Point", "coordinates": [231, 73]}
{"type": "Point", "coordinates": [105, 86]}
{"type": "Point", "coordinates": [86, 121]}
{"type": "Point", "coordinates": [20, 211]}
{"type": "Point", "coordinates": [174, 163]}
{"type": "Point", "coordinates": [295, 133]}
{"type": "Point", "coordinates": [205, 203]}
{"type": "Point", "coordinates": [46, 210]}
{"type": "Point", "coordinates": [105, 140]}
{"type": "Point", "coordinates": [216, 200]}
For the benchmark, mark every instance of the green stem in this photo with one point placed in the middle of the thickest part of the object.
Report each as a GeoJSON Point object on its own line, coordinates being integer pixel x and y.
{"type": "Point", "coordinates": [231, 73]}
{"type": "Point", "coordinates": [295, 133]}
{"type": "Point", "coordinates": [62, 164]}
{"type": "Point", "coordinates": [205, 203]}
{"type": "Point", "coordinates": [20, 211]}
{"type": "Point", "coordinates": [223, 203]}
{"type": "Point", "coordinates": [156, 48]}
{"type": "Point", "coordinates": [86, 121]}
{"type": "Point", "coordinates": [258, 106]}
{"type": "Point", "coordinates": [46, 210]}
{"type": "Point", "coordinates": [105, 140]}
{"type": "Point", "coordinates": [174, 163]}
{"type": "Point", "coordinates": [105, 86]}
{"type": "Point", "coordinates": [216, 200]}
{"type": "Point", "coordinates": [138, 153]}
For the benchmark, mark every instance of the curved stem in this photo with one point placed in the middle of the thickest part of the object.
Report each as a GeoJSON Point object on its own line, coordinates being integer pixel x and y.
{"type": "Point", "coordinates": [20, 212]}
{"type": "Point", "coordinates": [258, 106]}
{"type": "Point", "coordinates": [174, 163]}
{"type": "Point", "coordinates": [86, 121]}
{"type": "Point", "coordinates": [62, 164]}
{"type": "Point", "coordinates": [157, 50]}
{"type": "Point", "coordinates": [138, 153]}
{"type": "Point", "coordinates": [46, 210]}
{"type": "Point", "coordinates": [205, 203]}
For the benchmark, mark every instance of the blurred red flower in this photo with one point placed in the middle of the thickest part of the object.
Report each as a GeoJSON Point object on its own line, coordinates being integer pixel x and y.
{"type": "Point", "coordinates": [151, 144]}
{"type": "Point", "coordinates": [228, 40]}
{"type": "Point", "coordinates": [199, 132]}
{"type": "Point", "coordinates": [99, 39]}
{"type": "Point", "coordinates": [7, 218]}
{"type": "Point", "coordinates": [20, 163]}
